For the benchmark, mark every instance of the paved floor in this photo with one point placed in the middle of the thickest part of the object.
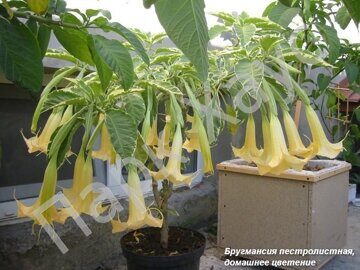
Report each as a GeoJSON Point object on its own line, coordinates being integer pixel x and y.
{"type": "Point", "coordinates": [212, 258]}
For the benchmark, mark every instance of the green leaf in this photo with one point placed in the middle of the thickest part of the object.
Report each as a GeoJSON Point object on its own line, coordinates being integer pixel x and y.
{"type": "Point", "coordinates": [63, 97]}
{"type": "Point", "coordinates": [75, 42]}
{"type": "Point", "coordinates": [32, 25]}
{"type": "Point", "coordinates": [231, 126]}
{"type": "Point", "coordinates": [282, 14]}
{"type": "Point", "coordinates": [134, 105]}
{"type": "Point", "coordinates": [269, 41]}
{"type": "Point", "coordinates": [354, 9]}
{"type": "Point", "coordinates": [57, 7]}
{"type": "Point", "coordinates": [245, 33]}
{"type": "Point", "coordinates": [323, 81]}
{"type": "Point", "coordinates": [290, 3]}
{"type": "Point", "coordinates": [250, 75]}
{"type": "Point", "coordinates": [161, 85]}
{"type": "Point", "coordinates": [330, 36]}
{"type": "Point", "coordinates": [117, 57]}
{"type": "Point", "coordinates": [357, 113]}
{"type": "Point", "coordinates": [65, 147]}
{"type": "Point", "coordinates": [140, 153]}
{"type": "Point", "coordinates": [227, 18]}
{"type": "Point", "coordinates": [20, 55]}
{"type": "Point", "coordinates": [331, 99]}
{"type": "Point", "coordinates": [184, 22]}
{"type": "Point", "coordinates": [43, 37]}
{"type": "Point", "coordinates": [334, 130]}
{"type": "Point", "coordinates": [264, 23]}
{"type": "Point", "coordinates": [175, 111]}
{"type": "Point", "coordinates": [283, 65]}
{"type": "Point", "coordinates": [123, 132]}
{"type": "Point", "coordinates": [192, 98]}
{"type": "Point", "coordinates": [305, 57]}
{"type": "Point", "coordinates": [213, 122]}
{"type": "Point", "coordinates": [61, 55]}
{"type": "Point", "coordinates": [148, 3]}
{"type": "Point", "coordinates": [216, 30]}
{"type": "Point", "coordinates": [95, 12]}
{"type": "Point", "coordinates": [57, 139]}
{"type": "Point", "coordinates": [352, 72]}
{"type": "Point", "coordinates": [130, 37]}
{"type": "Point", "coordinates": [104, 71]}
{"type": "Point", "coordinates": [268, 9]}
{"type": "Point", "coordinates": [38, 6]}
{"type": "Point", "coordinates": [343, 17]}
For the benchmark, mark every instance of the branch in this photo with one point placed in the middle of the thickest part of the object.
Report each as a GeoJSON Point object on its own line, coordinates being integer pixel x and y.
{"type": "Point", "coordinates": [27, 15]}
{"type": "Point", "coordinates": [156, 192]}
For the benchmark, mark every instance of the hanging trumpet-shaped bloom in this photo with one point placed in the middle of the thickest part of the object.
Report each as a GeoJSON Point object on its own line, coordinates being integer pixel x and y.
{"type": "Point", "coordinates": [41, 142]}
{"type": "Point", "coordinates": [275, 157]}
{"type": "Point", "coordinates": [198, 140]}
{"type": "Point", "coordinates": [106, 151]}
{"type": "Point", "coordinates": [139, 215]}
{"type": "Point", "coordinates": [82, 178]}
{"type": "Point", "coordinates": [320, 144]}
{"type": "Point", "coordinates": [249, 149]}
{"type": "Point", "coordinates": [47, 193]}
{"type": "Point", "coordinates": [163, 149]}
{"type": "Point", "coordinates": [149, 132]}
{"type": "Point", "coordinates": [67, 115]}
{"type": "Point", "coordinates": [152, 136]}
{"type": "Point", "coordinates": [172, 170]}
{"type": "Point", "coordinates": [296, 146]}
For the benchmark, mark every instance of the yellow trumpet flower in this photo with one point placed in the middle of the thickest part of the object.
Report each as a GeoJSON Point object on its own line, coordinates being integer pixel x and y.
{"type": "Point", "coordinates": [172, 170]}
{"type": "Point", "coordinates": [106, 150]}
{"type": "Point", "coordinates": [152, 136]}
{"type": "Point", "coordinates": [67, 115]}
{"type": "Point", "coordinates": [320, 144]}
{"type": "Point", "coordinates": [296, 146]}
{"type": "Point", "coordinates": [148, 132]}
{"type": "Point", "coordinates": [163, 149]}
{"type": "Point", "coordinates": [198, 140]}
{"type": "Point", "coordinates": [139, 215]}
{"type": "Point", "coordinates": [47, 193]}
{"type": "Point", "coordinates": [275, 157]}
{"type": "Point", "coordinates": [249, 149]}
{"type": "Point", "coordinates": [40, 143]}
{"type": "Point", "coordinates": [83, 177]}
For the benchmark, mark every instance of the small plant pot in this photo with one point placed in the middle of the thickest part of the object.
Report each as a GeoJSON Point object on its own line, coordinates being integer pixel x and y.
{"type": "Point", "coordinates": [142, 250]}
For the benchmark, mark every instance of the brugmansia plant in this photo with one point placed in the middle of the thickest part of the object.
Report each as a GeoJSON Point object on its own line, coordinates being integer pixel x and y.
{"type": "Point", "coordinates": [148, 102]}
{"type": "Point", "coordinates": [149, 117]}
{"type": "Point", "coordinates": [265, 74]}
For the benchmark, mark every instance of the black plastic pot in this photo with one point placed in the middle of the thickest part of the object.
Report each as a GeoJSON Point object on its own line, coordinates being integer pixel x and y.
{"type": "Point", "coordinates": [186, 261]}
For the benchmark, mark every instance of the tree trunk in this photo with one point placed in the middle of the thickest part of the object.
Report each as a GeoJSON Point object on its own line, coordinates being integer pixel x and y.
{"type": "Point", "coordinates": [162, 200]}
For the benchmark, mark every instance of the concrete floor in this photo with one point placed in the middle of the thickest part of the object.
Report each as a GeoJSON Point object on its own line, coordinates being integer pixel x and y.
{"type": "Point", "coordinates": [212, 257]}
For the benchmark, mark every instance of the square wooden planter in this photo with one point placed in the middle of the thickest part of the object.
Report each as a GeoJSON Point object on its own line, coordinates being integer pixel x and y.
{"type": "Point", "coordinates": [296, 210]}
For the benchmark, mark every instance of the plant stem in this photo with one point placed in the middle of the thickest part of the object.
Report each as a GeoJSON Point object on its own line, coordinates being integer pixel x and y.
{"type": "Point", "coordinates": [162, 201]}
{"type": "Point", "coordinates": [40, 19]}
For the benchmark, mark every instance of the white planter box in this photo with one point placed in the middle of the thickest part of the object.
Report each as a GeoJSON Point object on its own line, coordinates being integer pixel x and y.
{"type": "Point", "coordinates": [296, 210]}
